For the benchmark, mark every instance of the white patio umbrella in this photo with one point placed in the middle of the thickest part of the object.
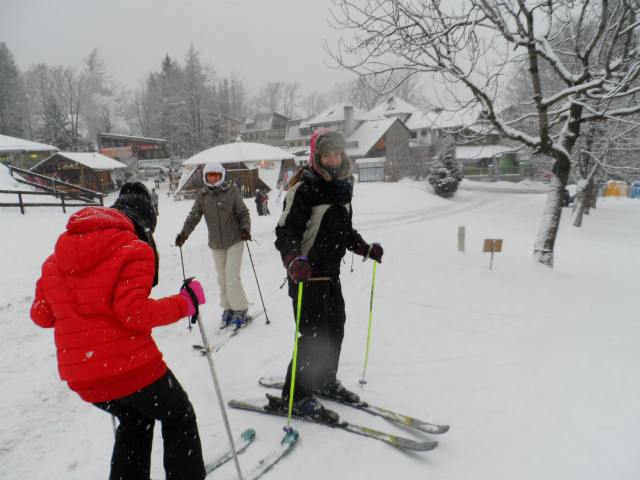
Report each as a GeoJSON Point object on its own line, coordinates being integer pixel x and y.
{"type": "Point", "coordinates": [239, 152]}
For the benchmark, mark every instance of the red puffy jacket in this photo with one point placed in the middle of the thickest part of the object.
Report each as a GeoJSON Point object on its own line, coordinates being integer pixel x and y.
{"type": "Point", "coordinates": [94, 291]}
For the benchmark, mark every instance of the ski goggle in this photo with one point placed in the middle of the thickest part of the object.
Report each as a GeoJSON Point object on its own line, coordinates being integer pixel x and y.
{"type": "Point", "coordinates": [213, 177]}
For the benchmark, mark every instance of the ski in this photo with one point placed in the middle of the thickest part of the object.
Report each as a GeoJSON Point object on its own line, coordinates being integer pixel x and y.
{"type": "Point", "coordinates": [267, 463]}
{"type": "Point", "coordinates": [241, 444]}
{"type": "Point", "coordinates": [399, 418]}
{"type": "Point", "coordinates": [225, 335]}
{"type": "Point", "coordinates": [388, 438]}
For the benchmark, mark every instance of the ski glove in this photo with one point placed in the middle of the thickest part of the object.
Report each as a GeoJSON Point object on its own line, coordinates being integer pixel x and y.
{"type": "Point", "coordinates": [245, 235]}
{"type": "Point", "coordinates": [197, 289]}
{"type": "Point", "coordinates": [298, 267]}
{"type": "Point", "coordinates": [373, 251]}
{"type": "Point", "coordinates": [180, 239]}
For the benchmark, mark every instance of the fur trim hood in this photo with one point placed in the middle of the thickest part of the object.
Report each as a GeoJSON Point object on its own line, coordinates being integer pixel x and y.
{"type": "Point", "coordinates": [329, 141]}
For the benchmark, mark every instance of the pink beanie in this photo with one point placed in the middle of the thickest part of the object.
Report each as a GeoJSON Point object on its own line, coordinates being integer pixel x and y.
{"type": "Point", "coordinates": [313, 143]}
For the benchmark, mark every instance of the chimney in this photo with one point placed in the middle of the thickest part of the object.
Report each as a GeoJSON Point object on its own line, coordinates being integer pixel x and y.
{"type": "Point", "coordinates": [348, 121]}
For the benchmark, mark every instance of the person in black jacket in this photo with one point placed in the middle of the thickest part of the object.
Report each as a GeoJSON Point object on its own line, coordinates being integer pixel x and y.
{"type": "Point", "coordinates": [258, 200]}
{"type": "Point", "coordinates": [313, 235]}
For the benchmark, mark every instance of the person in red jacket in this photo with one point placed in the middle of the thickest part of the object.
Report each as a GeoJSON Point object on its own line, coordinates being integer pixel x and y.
{"type": "Point", "coordinates": [94, 292]}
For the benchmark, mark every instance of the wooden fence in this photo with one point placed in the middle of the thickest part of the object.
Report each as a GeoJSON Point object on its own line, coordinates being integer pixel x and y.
{"type": "Point", "coordinates": [69, 195]}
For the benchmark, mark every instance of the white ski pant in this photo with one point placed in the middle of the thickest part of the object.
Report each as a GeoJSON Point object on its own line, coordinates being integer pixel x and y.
{"type": "Point", "coordinates": [228, 262]}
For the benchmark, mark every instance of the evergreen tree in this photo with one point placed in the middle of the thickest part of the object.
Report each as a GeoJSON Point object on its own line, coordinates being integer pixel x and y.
{"type": "Point", "coordinates": [446, 173]}
{"type": "Point", "coordinates": [217, 131]}
{"type": "Point", "coordinates": [12, 95]}
{"type": "Point", "coordinates": [54, 128]}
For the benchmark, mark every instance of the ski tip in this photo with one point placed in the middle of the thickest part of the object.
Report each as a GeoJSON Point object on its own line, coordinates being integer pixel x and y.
{"type": "Point", "coordinates": [290, 438]}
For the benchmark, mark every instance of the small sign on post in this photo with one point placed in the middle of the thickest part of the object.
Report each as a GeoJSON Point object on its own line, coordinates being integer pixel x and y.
{"type": "Point", "coordinates": [492, 245]}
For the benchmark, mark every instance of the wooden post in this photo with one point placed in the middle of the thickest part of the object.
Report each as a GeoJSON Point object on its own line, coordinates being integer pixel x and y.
{"type": "Point", "coordinates": [20, 202]}
{"type": "Point", "coordinates": [461, 238]}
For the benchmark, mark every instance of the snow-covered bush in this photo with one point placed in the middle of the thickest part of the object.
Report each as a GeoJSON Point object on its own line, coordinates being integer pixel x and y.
{"type": "Point", "coordinates": [445, 173]}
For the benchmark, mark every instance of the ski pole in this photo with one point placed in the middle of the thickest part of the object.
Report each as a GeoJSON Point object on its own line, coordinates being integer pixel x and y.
{"type": "Point", "coordinates": [216, 384]}
{"type": "Point", "coordinates": [182, 262]}
{"type": "Point", "coordinates": [295, 359]}
{"type": "Point", "coordinates": [258, 283]}
{"type": "Point", "coordinates": [366, 357]}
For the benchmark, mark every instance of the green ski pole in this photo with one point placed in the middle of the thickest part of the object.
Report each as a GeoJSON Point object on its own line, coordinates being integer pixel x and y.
{"type": "Point", "coordinates": [295, 358]}
{"type": "Point", "coordinates": [366, 357]}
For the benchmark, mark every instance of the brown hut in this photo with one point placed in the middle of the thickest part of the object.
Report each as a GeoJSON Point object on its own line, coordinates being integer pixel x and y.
{"type": "Point", "coordinates": [88, 170]}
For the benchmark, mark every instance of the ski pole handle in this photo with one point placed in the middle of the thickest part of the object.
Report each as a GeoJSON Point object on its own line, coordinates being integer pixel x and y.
{"type": "Point", "coordinates": [194, 298]}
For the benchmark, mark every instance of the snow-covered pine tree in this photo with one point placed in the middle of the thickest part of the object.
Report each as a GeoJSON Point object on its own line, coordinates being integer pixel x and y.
{"type": "Point", "coordinates": [445, 173]}
{"type": "Point", "coordinates": [12, 95]}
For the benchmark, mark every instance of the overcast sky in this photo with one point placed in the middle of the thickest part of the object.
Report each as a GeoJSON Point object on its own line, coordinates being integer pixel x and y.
{"type": "Point", "coordinates": [262, 40]}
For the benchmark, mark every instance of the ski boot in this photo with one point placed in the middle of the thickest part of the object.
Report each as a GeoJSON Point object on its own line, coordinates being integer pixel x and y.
{"type": "Point", "coordinates": [306, 407]}
{"type": "Point", "coordinates": [226, 318]}
{"type": "Point", "coordinates": [239, 318]}
{"type": "Point", "coordinates": [335, 390]}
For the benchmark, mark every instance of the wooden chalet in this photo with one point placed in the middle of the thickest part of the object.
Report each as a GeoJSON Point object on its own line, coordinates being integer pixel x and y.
{"type": "Point", "coordinates": [92, 171]}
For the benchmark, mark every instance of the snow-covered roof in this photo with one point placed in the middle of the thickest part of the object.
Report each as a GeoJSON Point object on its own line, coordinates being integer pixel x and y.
{"type": "Point", "coordinates": [306, 150]}
{"type": "Point", "coordinates": [335, 114]}
{"type": "Point", "coordinates": [394, 106]}
{"type": "Point", "coordinates": [482, 151]}
{"type": "Point", "coordinates": [293, 129]}
{"type": "Point", "coordinates": [13, 144]}
{"type": "Point", "coordinates": [446, 119]}
{"type": "Point", "coordinates": [239, 152]}
{"type": "Point", "coordinates": [367, 135]}
{"type": "Point", "coordinates": [95, 161]}
{"type": "Point", "coordinates": [131, 137]}
{"type": "Point", "coordinates": [260, 121]}
{"type": "Point", "coordinates": [421, 120]}
{"type": "Point", "coordinates": [371, 161]}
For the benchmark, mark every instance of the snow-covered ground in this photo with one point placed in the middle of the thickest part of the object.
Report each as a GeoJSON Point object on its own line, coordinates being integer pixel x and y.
{"type": "Point", "coordinates": [537, 370]}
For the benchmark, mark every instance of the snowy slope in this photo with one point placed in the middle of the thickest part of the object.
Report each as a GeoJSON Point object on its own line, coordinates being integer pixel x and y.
{"type": "Point", "coordinates": [536, 370]}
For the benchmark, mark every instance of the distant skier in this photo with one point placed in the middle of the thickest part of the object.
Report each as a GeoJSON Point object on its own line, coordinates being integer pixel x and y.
{"type": "Point", "coordinates": [229, 224]}
{"type": "Point", "coordinates": [312, 235]}
{"type": "Point", "coordinates": [94, 291]}
{"type": "Point", "coordinates": [258, 201]}
{"type": "Point", "coordinates": [154, 200]}
{"type": "Point", "coordinates": [265, 204]}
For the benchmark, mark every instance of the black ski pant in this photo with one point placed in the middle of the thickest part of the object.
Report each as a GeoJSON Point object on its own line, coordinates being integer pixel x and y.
{"type": "Point", "coordinates": [166, 401]}
{"type": "Point", "coordinates": [321, 332]}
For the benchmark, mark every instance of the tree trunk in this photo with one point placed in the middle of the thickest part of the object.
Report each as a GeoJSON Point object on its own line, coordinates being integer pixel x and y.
{"type": "Point", "coordinates": [546, 239]}
{"type": "Point", "coordinates": [580, 202]}
{"type": "Point", "coordinates": [593, 197]}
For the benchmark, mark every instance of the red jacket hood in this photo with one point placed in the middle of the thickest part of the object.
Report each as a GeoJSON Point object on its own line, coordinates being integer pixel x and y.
{"type": "Point", "coordinates": [92, 235]}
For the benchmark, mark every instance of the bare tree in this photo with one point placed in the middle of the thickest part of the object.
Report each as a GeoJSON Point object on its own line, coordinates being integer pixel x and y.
{"type": "Point", "coordinates": [314, 103]}
{"type": "Point", "coordinates": [598, 65]}
{"type": "Point", "coordinates": [290, 98]}
{"type": "Point", "coordinates": [363, 92]}
{"type": "Point", "coordinates": [271, 96]}
{"type": "Point", "coordinates": [59, 90]}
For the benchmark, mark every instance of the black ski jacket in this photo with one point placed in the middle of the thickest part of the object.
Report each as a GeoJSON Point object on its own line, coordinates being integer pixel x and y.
{"type": "Point", "coordinates": [316, 222]}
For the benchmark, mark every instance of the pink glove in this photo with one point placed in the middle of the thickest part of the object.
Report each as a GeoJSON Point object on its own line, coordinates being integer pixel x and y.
{"type": "Point", "coordinates": [197, 289]}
